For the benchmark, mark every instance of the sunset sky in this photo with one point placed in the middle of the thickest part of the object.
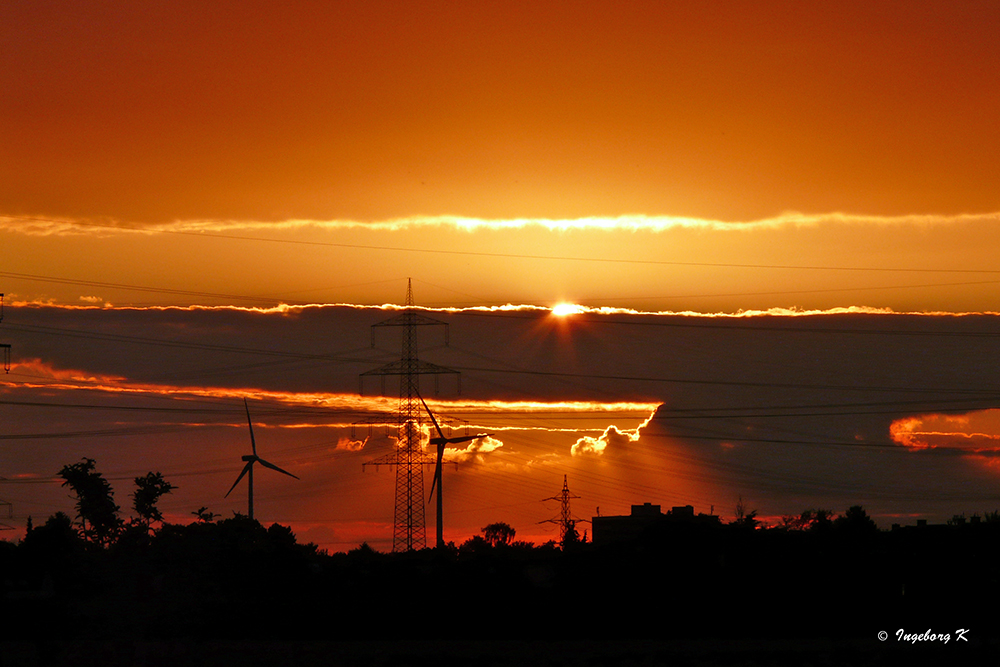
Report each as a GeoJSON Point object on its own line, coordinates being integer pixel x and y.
{"type": "Point", "coordinates": [780, 221]}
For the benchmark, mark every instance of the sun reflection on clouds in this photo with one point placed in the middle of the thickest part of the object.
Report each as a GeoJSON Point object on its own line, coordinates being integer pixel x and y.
{"type": "Point", "coordinates": [352, 444]}
{"type": "Point", "coordinates": [345, 408]}
{"type": "Point", "coordinates": [474, 450]}
{"type": "Point", "coordinates": [612, 441]}
{"type": "Point", "coordinates": [973, 435]}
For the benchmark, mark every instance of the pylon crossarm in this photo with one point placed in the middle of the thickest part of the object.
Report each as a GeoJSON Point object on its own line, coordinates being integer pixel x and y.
{"type": "Point", "coordinates": [408, 319]}
{"type": "Point", "coordinates": [394, 459]}
{"type": "Point", "coordinates": [409, 367]}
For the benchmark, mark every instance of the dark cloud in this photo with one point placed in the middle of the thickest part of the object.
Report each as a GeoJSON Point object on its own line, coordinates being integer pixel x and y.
{"type": "Point", "coordinates": [789, 412]}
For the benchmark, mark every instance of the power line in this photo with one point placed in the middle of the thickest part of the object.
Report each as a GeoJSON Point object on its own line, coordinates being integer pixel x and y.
{"type": "Point", "coordinates": [647, 321]}
{"type": "Point", "coordinates": [562, 258]}
{"type": "Point", "coordinates": [730, 383]}
{"type": "Point", "coordinates": [518, 371]}
{"type": "Point", "coordinates": [827, 290]}
{"type": "Point", "coordinates": [135, 288]}
{"type": "Point", "coordinates": [146, 340]}
{"type": "Point", "coordinates": [272, 299]}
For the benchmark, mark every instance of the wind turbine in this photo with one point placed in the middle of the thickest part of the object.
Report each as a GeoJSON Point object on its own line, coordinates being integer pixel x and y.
{"type": "Point", "coordinates": [248, 468]}
{"type": "Point", "coordinates": [441, 441]}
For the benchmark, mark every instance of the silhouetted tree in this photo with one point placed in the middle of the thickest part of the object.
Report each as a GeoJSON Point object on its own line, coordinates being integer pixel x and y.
{"type": "Point", "coordinates": [744, 518]}
{"type": "Point", "coordinates": [56, 535]}
{"type": "Point", "coordinates": [474, 545]}
{"type": "Point", "coordinates": [95, 502]}
{"type": "Point", "coordinates": [814, 520]}
{"type": "Point", "coordinates": [204, 516]}
{"type": "Point", "coordinates": [571, 538]}
{"type": "Point", "coordinates": [499, 533]}
{"type": "Point", "coordinates": [822, 520]}
{"type": "Point", "coordinates": [856, 521]}
{"type": "Point", "coordinates": [279, 536]}
{"type": "Point", "coordinates": [147, 493]}
{"type": "Point", "coordinates": [53, 555]}
{"type": "Point", "coordinates": [363, 550]}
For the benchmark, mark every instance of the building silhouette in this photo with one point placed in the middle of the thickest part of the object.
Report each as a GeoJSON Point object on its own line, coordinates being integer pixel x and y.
{"type": "Point", "coordinates": [645, 519]}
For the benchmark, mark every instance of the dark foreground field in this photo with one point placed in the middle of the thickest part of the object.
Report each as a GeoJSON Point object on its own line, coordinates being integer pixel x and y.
{"type": "Point", "coordinates": [494, 653]}
{"type": "Point", "coordinates": [236, 593]}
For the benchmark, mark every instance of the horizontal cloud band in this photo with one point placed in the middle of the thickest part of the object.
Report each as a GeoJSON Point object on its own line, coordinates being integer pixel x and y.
{"type": "Point", "coordinates": [37, 225]}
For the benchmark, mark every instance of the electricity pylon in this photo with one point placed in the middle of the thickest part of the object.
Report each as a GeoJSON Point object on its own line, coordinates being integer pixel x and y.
{"type": "Point", "coordinates": [4, 347]}
{"type": "Point", "coordinates": [566, 522]}
{"type": "Point", "coordinates": [409, 528]}
{"type": "Point", "coordinates": [10, 512]}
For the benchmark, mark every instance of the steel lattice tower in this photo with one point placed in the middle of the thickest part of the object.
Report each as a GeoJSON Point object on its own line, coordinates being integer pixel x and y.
{"type": "Point", "coordinates": [4, 347]}
{"type": "Point", "coordinates": [409, 529]}
{"type": "Point", "coordinates": [5, 351]}
{"type": "Point", "coordinates": [566, 522]}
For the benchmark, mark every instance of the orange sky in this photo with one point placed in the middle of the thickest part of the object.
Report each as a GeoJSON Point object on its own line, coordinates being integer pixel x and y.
{"type": "Point", "coordinates": [376, 110]}
{"type": "Point", "coordinates": [654, 156]}
{"type": "Point", "coordinates": [875, 124]}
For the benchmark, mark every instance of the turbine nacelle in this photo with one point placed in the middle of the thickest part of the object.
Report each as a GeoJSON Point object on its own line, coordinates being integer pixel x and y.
{"type": "Point", "coordinates": [450, 441]}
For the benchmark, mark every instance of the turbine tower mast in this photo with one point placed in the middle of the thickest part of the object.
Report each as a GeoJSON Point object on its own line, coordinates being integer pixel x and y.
{"type": "Point", "coordinates": [409, 527]}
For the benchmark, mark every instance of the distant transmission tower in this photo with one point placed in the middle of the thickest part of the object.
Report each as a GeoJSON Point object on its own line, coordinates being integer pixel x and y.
{"type": "Point", "coordinates": [4, 346]}
{"type": "Point", "coordinates": [10, 513]}
{"type": "Point", "coordinates": [566, 522]}
{"type": "Point", "coordinates": [6, 367]}
{"type": "Point", "coordinates": [409, 529]}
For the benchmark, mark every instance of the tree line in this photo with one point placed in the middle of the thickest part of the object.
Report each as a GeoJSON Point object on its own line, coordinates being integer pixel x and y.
{"type": "Point", "coordinates": [98, 575]}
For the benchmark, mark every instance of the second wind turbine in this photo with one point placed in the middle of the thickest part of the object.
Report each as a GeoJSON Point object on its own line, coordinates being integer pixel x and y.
{"type": "Point", "coordinates": [441, 441]}
{"type": "Point", "coordinates": [248, 468]}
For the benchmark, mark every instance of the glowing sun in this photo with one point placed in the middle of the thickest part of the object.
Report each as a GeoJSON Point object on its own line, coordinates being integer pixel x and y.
{"type": "Point", "coordinates": [564, 309]}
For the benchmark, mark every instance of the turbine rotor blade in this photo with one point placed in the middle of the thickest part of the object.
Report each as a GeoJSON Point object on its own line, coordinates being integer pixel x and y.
{"type": "Point", "coordinates": [253, 443]}
{"type": "Point", "coordinates": [464, 438]}
{"type": "Point", "coordinates": [433, 482]}
{"type": "Point", "coordinates": [274, 467]}
{"type": "Point", "coordinates": [431, 414]}
{"type": "Point", "coordinates": [437, 470]}
{"type": "Point", "coordinates": [246, 469]}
